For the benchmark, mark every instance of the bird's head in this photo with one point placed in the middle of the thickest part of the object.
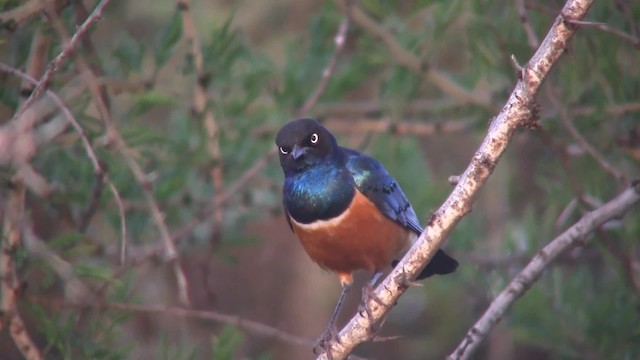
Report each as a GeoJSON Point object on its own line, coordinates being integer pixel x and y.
{"type": "Point", "coordinates": [304, 143]}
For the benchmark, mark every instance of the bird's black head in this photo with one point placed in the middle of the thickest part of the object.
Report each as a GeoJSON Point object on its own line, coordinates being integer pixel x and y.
{"type": "Point", "coordinates": [304, 143]}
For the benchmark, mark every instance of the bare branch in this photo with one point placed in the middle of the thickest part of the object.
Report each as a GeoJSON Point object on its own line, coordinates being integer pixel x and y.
{"type": "Point", "coordinates": [634, 41]}
{"type": "Point", "coordinates": [14, 17]}
{"type": "Point", "coordinates": [391, 126]}
{"type": "Point", "coordinates": [532, 272]}
{"type": "Point", "coordinates": [340, 40]}
{"type": "Point", "coordinates": [532, 38]}
{"type": "Point", "coordinates": [190, 34]}
{"type": "Point", "coordinates": [519, 110]}
{"type": "Point", "coordinates": [10, 286]}
{"type": "Point", "coordinates": [243, 324]}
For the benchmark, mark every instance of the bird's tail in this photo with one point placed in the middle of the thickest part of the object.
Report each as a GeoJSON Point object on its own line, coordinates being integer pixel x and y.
{"type": "Point", "coordinates": [440, 264]}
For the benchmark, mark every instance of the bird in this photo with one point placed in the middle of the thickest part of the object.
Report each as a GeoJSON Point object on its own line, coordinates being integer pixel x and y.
{"type": "Point", "coordinates": [346, 210]}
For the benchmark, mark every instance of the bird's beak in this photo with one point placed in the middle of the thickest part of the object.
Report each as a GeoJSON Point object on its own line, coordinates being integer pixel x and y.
{"type": "Point", "coordinates": [298, 151]}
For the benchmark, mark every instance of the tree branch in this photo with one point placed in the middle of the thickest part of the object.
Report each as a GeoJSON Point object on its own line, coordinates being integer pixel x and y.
{"type": "Point", "coordinates": [634, 41]}
{"type": "Point", "coordinates": [190, 34]}
{"type": "Point", "coordinates": [243, 324]}
{"type": "Point", "coordinates": [532, 272]}
{"type": "Point", "coordinates": [10, 286]}
{"type": "Point", "coordinates": [519, 110]}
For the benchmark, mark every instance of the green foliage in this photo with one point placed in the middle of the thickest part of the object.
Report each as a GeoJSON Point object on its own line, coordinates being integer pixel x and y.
{"type": "Point", "coordinates": [225, 343]}
{"type": "Point", "coordinates": [167, 39]}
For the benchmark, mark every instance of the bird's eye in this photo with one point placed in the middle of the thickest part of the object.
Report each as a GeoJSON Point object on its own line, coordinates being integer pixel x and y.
{"type": "Point", "coordinates": [314, 138]}
{"type": "Point", "coordinates": [284, 150]}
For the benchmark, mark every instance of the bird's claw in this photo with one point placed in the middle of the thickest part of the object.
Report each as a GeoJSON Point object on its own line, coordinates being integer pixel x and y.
{"type": "Point", "coordinates": [329, 334]}
{"type": "Point", "coordinates": [369, 294]}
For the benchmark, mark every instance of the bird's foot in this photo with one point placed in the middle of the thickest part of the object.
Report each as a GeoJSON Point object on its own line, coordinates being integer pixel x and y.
{"type": "Point", "coordinates": [406, 281]}
{"type": "Point", "coordinates": [367, 295]}
{"type": "Point", "coordinates": [329, 334]}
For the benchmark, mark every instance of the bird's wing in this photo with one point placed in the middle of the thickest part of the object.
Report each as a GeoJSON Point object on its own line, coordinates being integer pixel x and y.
{"type": "Point", "coordinates": [374, 182]}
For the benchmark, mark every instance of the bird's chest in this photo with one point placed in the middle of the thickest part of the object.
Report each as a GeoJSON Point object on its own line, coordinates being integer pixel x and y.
{"type": "Point", "coordinates": [361, 237]}
{"type": "Point", "coordinates": [319, 194]}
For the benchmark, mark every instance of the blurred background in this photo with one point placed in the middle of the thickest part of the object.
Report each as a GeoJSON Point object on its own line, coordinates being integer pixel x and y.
{"type": "Point", "coordinates": [194, 92]}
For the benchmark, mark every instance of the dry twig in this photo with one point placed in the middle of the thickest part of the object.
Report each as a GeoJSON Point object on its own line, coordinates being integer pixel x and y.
{"type": "Point", "coordinates": [243, 324]}
{"type": "Point", "coordinates": [634, 41]}
{"type": "Point", "coordinates": [532, 38]}
{"type": "Point", "coordinates": [10, 286]}
{"type": "Point", "coordinates": [618, 175]}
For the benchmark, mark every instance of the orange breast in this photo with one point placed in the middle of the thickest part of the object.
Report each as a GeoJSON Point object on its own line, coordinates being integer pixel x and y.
{"type": "Point", "coordinates": [360, 238]}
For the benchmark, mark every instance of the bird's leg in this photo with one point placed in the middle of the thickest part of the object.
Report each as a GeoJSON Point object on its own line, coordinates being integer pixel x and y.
{"type": "Point", "coordinates": [331, 332]}
{"type": "Point", "coordinates": [368, 294]}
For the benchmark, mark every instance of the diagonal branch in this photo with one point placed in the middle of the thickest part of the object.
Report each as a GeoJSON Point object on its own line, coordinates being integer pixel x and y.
{"type": "Point", "coordinates": [518, 111]}
{"type": "Point", "coordinates": [62, 56]}
{"type": "Point", "coordinates": [633, 40]}
{"type": "Point", "coordinates": [532, 272]}
{"type": "Point", "coordinates": [582, 141]}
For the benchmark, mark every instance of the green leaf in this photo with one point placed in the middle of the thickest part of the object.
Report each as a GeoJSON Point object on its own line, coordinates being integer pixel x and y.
{"type": "Point", "coordinates": [147, 101]}
{"type": "Point", "coordinates": [129, 52]}
{"type": "Point", "coordinates": [66, 240]}
{"type": "Point", "coordinates": [225, 344]}
{"type": "Point", "coordinates": [94, 271]}
{"type": "Point", "coordinates": [167, 39]}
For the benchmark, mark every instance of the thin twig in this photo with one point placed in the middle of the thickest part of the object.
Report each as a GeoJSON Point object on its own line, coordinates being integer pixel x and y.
{"type": "Point", "coordinates": [87, 213]}
{"type": "Point", "coordinates": [62, 56]}
{"type": "Point", "coordinates": [14, 17]}
{"type": "Point", "coordinates": [410, 61]}
{"type": "Point", "coordinates": [532, 272]}
{"type": "Point", "coordinates": [201, 110]}
{"type": "Point", "coordinates": [624, 7]}
{"type": "Point", "coordinates": [532, 38]}
{"type": "Point", "coordinates": [634, 41]}
{"type": "Point", "coordinates": [390, 126]}
{"type": "Point", "coordinates": [243, 324]}
{"type": "Point", "coordinates": [38, 56]}
{"type": "Point", "coordinates": [553, 97]}
{"type": "Point", "coordinates": [74, 288]}
{"type": "Point", "coordinates": [10, 286]}
{"type": "Point", "coordinates": [339, 40]}
{"type": "Point", "coordinates": [519, 110]}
